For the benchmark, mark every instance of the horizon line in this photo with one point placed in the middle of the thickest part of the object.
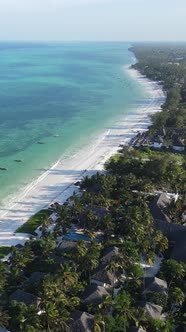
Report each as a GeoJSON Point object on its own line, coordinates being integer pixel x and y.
{"type": "Point", "coordinates": [89, 41]}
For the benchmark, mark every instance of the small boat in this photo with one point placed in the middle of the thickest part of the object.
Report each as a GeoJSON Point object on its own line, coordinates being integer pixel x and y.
{"type": "Point", "coordinates": [40, 143]}
{"type": "Point", "coordinates": [3, 169]}
{"type": "Point", "coordinates": [56, 136]}
{"type": "Point", "coordinates": [18, 160]}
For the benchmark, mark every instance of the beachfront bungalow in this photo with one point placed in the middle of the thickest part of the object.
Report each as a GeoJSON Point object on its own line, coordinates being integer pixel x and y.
{"type": "Point", "coordinates": [93, 295]}
{"type": "Point", "coordinates": [179, 250]}
{"type": "Point", "coordinates": [81, 322]}
{"type": "Point", "coordinates": [178, 144]}
{"type": "Point", "coordinates": [108, 254]}
{"type": "Point", "coordinates": [158, 142]}
{"type": "Point", "coordinates": [36, 278]}
{"type": "Point", "coordinates": [158, 206]}
{"type": "Point", "coordinates": [19, 246]}
{"type": "Point", "coordinates": [151, 310]}
{"type": "Point", "coordinates": [153, 284]}
{"type": "Point", "coordinates": [103, 277]}
{"type": "Point", "coordinates": [24, 297]}
{"type": "Point", "coordinates": [158, 211]}
{"type": "Point", "coordinates": [173, 231]}
{"type": "Point", "coordinates": [67, 246]}
{"type": "Point", "coordinates": [151, 270]}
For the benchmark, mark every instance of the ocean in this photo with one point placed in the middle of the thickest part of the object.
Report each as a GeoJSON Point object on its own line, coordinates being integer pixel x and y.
{"type": "Point", "coordinates": [56, 98]}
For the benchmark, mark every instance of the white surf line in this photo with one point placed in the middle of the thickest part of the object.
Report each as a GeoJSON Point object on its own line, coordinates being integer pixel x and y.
{"type": "Point", "coordinates": [38, 194]}
{"type": "Point", "coordinates": [29, 187]}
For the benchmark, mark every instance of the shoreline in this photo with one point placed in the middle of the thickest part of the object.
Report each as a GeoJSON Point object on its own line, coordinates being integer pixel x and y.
{"type": "Point", "coordinates": [57, 183]}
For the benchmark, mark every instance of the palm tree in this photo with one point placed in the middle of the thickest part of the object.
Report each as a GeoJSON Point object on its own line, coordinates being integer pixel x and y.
{"type": "Point", "coordinates": [77, 207]}
{"type": "Point", "coordinates": [44, 226]}
{"type": "Point", "coordinates": [64, 213]}
{"type": "Point", "coordinates": [90, 219]}
{"type": "Point", "coordinates": [91, 259]}
{"type": "Point", "coordinates": [129, 252]}
{"type": "Point", "coordinates": [54, 319]}
{"type": "Point", "coordinates": [80, 253]}
{"type": "Point", "coordinates": [20, 259]}
{"type": "Point", "coordinates": [107, 225]}
{"type": "Point", "coordinates": [124, 309]}
{"type": "Point", "coordinates": [68, 280]}
{"type": "Point", "coordinates": [54, 313]}
{"type": "Point", "coordinates": [154, 325]}
{"type": "Point", "coordinates": [176, 298]}
{"type": "Point", "coordinates": [16, 276]}
{"type": "Point", "coordinates": [3, 274]}
{"type": "Point", "coordinates": [160, 242]}
{"type": "Point", "coordinates": [172, 271]}
{"type": "Point", "coordinates": [99, 324]}
{"type": "Point", "coordinates": [140, 317]}
{"type": "Point", "coordinates": [4, 318]}
{"type": "Point", "coordinates": [105, 306]}
{"type": "Point", "coordinates": [23, 317]}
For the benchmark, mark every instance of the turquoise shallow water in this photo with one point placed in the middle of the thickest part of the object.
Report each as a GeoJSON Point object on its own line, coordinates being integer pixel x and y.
{"type": "Point", "coordinates": [62, 95]}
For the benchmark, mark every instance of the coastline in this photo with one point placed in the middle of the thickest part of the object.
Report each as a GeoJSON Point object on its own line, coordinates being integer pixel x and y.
{"type": "Point", "coordinates": [57, 183]}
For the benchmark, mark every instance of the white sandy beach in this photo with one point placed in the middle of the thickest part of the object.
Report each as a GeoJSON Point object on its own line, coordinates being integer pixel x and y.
{"type": "Point", "coordinates": [57, 183]}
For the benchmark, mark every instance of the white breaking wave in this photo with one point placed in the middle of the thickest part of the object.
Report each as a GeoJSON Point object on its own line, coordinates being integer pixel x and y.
{"type": "Point", "coordinates": [56, 184]}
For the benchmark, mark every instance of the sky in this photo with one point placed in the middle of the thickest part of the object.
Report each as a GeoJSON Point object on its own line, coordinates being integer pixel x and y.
{"type": "Point", "coordinates": [93, 20]}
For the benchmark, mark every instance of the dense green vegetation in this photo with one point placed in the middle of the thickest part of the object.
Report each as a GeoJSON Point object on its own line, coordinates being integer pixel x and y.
{"type": "Point", "coordinates": [166, 64]}
{"type": "Point", "coordinates": [4, 251]}
{"type": "Point", "coordinates": [34, 222]}
{"type": "Point", "coordinates": [146, 170]}
{"type": "Point", "coordinates": [111, 205]}
{"type": "Point", "coordinates": [175, 210]}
